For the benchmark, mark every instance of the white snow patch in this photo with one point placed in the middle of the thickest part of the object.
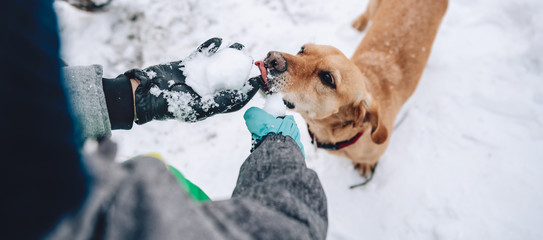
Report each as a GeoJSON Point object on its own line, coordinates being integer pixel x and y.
{"type": "Point", "coordinates": [274, 105]}
{"type": "Point", "coordinates": [151, 74]}
{"type": "Point", "coordinates": [179, 103]}
{"type": "Point", "coordinates": [155, 91]}
{"type": "Point", "coordinates": [227, 69]}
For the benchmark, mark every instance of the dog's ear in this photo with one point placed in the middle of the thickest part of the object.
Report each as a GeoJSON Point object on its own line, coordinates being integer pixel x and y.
{"type": "Point", "coordinates": [379, 132]}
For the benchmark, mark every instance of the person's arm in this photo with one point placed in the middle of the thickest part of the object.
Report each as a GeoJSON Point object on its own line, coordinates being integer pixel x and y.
{"type": "Point", "coordinates": [276, 195]}
{"type": "Point", "coordinates": [100, 104]}
{"type": "Point", "coordinates": [89, 100]}
{"type": "Point", "coordinates": [154, 93]}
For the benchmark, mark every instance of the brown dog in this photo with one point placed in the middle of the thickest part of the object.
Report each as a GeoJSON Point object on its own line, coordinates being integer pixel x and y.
{"type": "Point", "coordinates": [350, 105]}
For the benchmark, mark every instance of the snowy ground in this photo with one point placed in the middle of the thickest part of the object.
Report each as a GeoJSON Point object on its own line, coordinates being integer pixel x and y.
{"type": "Point", "coordinates": [465, 164]}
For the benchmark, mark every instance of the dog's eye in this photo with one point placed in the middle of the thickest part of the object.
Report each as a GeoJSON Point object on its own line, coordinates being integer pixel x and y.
{"type": "Point", "coordinates": [327, 79]}
{"type": "Point", "coordinates": [302, 50]}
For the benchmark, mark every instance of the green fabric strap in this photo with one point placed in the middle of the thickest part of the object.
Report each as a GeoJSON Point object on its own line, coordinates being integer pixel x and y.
{"type": "Point", "coordinates": [194, 191]}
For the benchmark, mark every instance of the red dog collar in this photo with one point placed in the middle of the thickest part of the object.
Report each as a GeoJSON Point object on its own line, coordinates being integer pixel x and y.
{"type": "Point", "coordinates": [335, 146]}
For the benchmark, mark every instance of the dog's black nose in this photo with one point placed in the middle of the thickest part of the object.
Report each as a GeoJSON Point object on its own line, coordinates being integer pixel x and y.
{"type": "Point", "coordinates": [276, 61]}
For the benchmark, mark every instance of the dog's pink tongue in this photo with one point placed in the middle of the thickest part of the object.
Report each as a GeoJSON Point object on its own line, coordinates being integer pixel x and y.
{"type": "Point", "coordinates": [264, 73]}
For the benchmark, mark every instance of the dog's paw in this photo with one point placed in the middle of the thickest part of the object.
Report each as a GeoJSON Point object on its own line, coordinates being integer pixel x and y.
{"type": "Point", "coordinates": [365, 169]}
{"type": "Point", "coordinates": [361, 22]}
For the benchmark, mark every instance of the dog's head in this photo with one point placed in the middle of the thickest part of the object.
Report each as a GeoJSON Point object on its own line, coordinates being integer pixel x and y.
{"type": "Point", "coordinates": [319, 82]}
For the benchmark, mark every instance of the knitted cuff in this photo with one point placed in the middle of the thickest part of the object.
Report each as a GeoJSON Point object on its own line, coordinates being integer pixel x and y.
{"type": "Point", "coordinates": [119, 101]}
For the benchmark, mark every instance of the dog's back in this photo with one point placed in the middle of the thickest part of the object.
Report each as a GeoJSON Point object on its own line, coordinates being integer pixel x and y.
{"type": "Point", "coordinates": [397, 45]}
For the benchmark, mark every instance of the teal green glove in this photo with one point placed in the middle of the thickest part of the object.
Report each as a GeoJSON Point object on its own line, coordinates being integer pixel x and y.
{"type": "Point", "coordinates": [261, 123]}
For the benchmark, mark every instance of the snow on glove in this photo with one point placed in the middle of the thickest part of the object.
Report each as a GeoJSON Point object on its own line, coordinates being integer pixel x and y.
{"type": "Point", "coordinates": [164, 94]}
{"type": "Point", "coordinates": [260, 124]}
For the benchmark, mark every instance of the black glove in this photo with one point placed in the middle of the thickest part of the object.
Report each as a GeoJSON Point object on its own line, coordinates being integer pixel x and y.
{"type": "Point", "coordinates": [163, 93]}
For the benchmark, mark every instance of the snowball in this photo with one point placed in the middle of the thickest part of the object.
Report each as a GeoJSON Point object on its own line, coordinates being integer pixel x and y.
{"type": "Point", "coordinates": [227, 69]}
{"type": "Point", "coordinates": [274, 105]}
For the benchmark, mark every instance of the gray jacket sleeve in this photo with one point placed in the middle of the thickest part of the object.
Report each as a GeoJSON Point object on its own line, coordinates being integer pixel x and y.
{"type": "Point", "coordinates": [276, 197]}
{"type": "Point", "coordinates": [84, 86]}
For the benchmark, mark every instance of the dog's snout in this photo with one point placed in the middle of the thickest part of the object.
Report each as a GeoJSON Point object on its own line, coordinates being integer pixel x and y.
{"type": "Point", "coordinates": [276, 61]}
